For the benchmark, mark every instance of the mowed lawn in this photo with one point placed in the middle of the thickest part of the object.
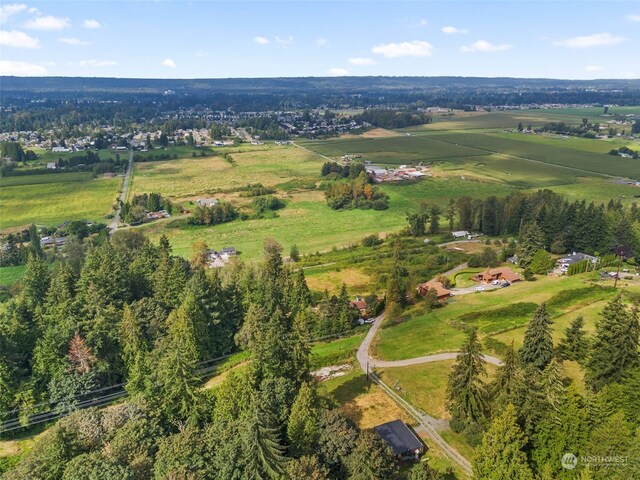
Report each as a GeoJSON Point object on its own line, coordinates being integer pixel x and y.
{"type": "Point", "coordinates": [425, 333]}
{"type": "Point", "coordinates": [187, 177]}
{"type": "Point", "coordinates": [54, 198]}
{"type": "Point", "coordinates": [310, 224]}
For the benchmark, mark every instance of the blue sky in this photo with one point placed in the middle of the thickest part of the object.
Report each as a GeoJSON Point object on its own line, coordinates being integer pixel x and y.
{"type": "Point", "coordinates": [218, 39]}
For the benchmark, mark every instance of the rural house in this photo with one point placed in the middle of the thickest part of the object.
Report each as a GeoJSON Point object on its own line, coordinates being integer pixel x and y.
{"type": "Point", "coordinates": [404, 443]}
{"type": "Point", "coordinates": [360, 304]}
{"type": "Point", "coordinates": [207, 202]}
{"type": "Point", "coordinates": [500, 274]}
{"type": "Point", "coordinates": [442, 293]}
{"type": "Point", "coordinates": [564, 262]}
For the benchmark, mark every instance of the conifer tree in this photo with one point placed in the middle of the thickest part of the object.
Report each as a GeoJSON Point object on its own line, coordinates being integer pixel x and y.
{"type": "Point", "coordinates": [504, 386]}
{"type": "Point", "coordinates": [575, 345]}
{"type": "Point", "coordinates": [176, 376]}
{"type": "Point", "coordinates": [567, 433]}
{"type": "Point", "coordinates": [371, 459]}
{"type": "Point", "coordinates": [531, 240]}
{"type": "Point", "coordinates": [501, 455]}
{"type": "Point", "coordinates": [537, 348]}
{"type": "Point", "coordinates": [302, 429]}
{"type": "Point", "coordinates": [466, 394]}
{"type": "Point", "coordinates": [264, 455]}
{"type": "Point", "coordinates": [35, 282]}
{"type": "Point", "coordinates": [615, 346]}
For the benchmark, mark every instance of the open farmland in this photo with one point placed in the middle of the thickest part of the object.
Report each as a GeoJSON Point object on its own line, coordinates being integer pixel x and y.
{"type": "Point", "coordinates": [308, 222]}
{"type": "Point", "coordinates": [186, 177]}
{"type": "Point", "coordinates": [393, 150]}
{"type": "Point", "coordinates": [53, 198]}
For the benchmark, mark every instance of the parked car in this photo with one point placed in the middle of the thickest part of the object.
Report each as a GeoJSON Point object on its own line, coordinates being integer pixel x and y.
{"type": "Point", "coordinates": [495, 282]}
{"type": "Point", "coordinates": [480, 289]}
{"type": "Point", "coordinates": [505, 284]}
{"type": "Point", "coordinates": [370, 320]}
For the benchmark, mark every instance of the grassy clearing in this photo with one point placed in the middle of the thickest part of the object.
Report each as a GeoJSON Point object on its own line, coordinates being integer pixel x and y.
{"type": "Point", "coordinates": [188, 177]}
{"type": "Point", "coordinates": [355, 280]}
{"type": "Point", "coordinates": [310, 224]}
{"type": "Point", "coordinates": [442, 329]}
{"type": "Point", "coordinates": [53, 203]}
{"type": "Point", "coordinates": [424, 386]}
{"type": "Point", "coordinates": [45, 178]}
{"type": "Point", "coordinates": [11, 275]}
{"type": "Point", "coordinates": [335, 352]}
{"type": "Point", "coordinates": [362, 401]}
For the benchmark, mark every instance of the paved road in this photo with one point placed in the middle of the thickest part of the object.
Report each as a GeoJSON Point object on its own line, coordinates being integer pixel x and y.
{"type": "Point", "coordinates": [123, 196]}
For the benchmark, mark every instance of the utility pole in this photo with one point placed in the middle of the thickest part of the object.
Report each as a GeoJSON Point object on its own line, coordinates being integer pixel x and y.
{"type": "Point", "coordinates": [615, 283]}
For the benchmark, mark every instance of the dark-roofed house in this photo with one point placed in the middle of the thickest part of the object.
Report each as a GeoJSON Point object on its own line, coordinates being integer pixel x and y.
{"type": "Point", "coordinates": [404, 443]}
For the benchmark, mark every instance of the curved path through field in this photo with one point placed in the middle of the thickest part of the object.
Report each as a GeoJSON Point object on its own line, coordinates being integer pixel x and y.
{"type": "Point", "coordinates": [427, 424]}
{"type": "Point", "coordinates": [115, 223]}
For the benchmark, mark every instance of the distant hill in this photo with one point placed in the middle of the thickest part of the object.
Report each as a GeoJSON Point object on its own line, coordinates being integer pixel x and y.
{"type": "Point", "coordinates": [313, 85]}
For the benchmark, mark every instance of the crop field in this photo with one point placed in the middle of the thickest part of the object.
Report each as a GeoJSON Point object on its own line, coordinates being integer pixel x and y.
{"type": "Point", "coordinates": [441, 329]}
{"type": "Point", "coordinates": [394, 150]}
{"type": "Point", "coordinates": [187, 177]}
{"type": "Point", "coordinates": [41, 201]}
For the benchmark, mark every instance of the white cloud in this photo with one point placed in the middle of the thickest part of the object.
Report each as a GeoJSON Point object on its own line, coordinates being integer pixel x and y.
{"type": "Point", "coordinates": [284, 40]}
{"type": "Point", "coordinates": [17, 39]}
{"type": "Point", "coordinates": [48, 23]}
{"type": "Point", "coordinates": [8, 11]}
{"type": "Point", "coordinates": [449, 30]}
{"type": "Point", "coordinates": [414, 48]}
{"type": "Point", "coordinates": [21, 69]}
{"type": "Point", "coordinates": [362, 61]}
{"type": "Point", "coordinates": [73, 41]}
{"type": "Point", "coordinates": [91, 24]}
{"type": "Point", "coordinates": [338, 72]}
{"type": "Point", "coordinates": [98, 63]}
{"type": "Point", "coordinates": [586, 41]}
{"type": "Point", "coordinates": [167, 62]}
{"type": "Point", "coordinates": [423, 22]}
{"type": "Point", "coordinates": [322, 42]}
{"type": "Point", "coordinates": [261, 40]}
{"type": "Point", "coordinates": [633, 17]}
{"type": "Point", "coordinates": [593, 68]}
{"type": "Point", "coordinates": [484, 46]}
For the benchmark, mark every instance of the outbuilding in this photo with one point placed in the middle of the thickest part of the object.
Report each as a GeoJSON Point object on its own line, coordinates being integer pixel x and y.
{"type": "Point", "coordinates": [404, 443]}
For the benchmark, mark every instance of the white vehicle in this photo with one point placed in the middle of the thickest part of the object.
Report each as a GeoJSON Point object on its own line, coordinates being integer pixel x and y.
{"type": "Point", "coordinates": [370, 320]}
{"type": "Point", "coordinates": [480, 289]}
{"type": "Point", "coordinates": [495, 282]}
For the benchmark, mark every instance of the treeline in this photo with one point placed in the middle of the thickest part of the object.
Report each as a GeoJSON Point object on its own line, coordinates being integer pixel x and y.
{"type": "Point", "coordinates": [138, 314]}
{"type": "Point", "coordinates": [355, 193]}
{"type": "Point", "coordinates": [135, 211]}
{"type": "Point", "coordinates": [222, 212]}
{"type": "Point", "coordinates": [560, 226]}
{"type": "Point", "coordinates": [14, 152]}
{"type": "Point", "coordinates": [531, 422]}
{"type": "Point", "coordinates": [390, 118]}
{"type": "Point", "coordinates": [267, 128]}
{"type": "Point", "coordinates": [351, 170]}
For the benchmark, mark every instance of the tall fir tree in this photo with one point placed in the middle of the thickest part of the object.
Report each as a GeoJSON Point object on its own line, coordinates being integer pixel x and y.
{"type": "Point", "coordinates": [615, 346]}
{"type": "Point", "coordinates": [466, 393]}
{"type": "Point", "coordinates": [302, 428]}
{"type": "Point", "coordinates": [264, 455]}
{"type": "Point", "coordinates": [537, 349]}
{"type": "Point", "coordinates": [501, 455]}
{"type": "Point", "coordinates": [504, 387]}
{"type": "Point", "coordinates": [575, 344]}
{"type": "Point", "coordinates": [531, 240]}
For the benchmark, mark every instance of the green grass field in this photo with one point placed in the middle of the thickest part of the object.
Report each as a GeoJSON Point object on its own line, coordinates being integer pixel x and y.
{"type": "Point", "coordinates": [52, 199]}
{"type": "Point", "coordinates": [501, 314]}
{"type": "Point", "coordinates": [10, 275]}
